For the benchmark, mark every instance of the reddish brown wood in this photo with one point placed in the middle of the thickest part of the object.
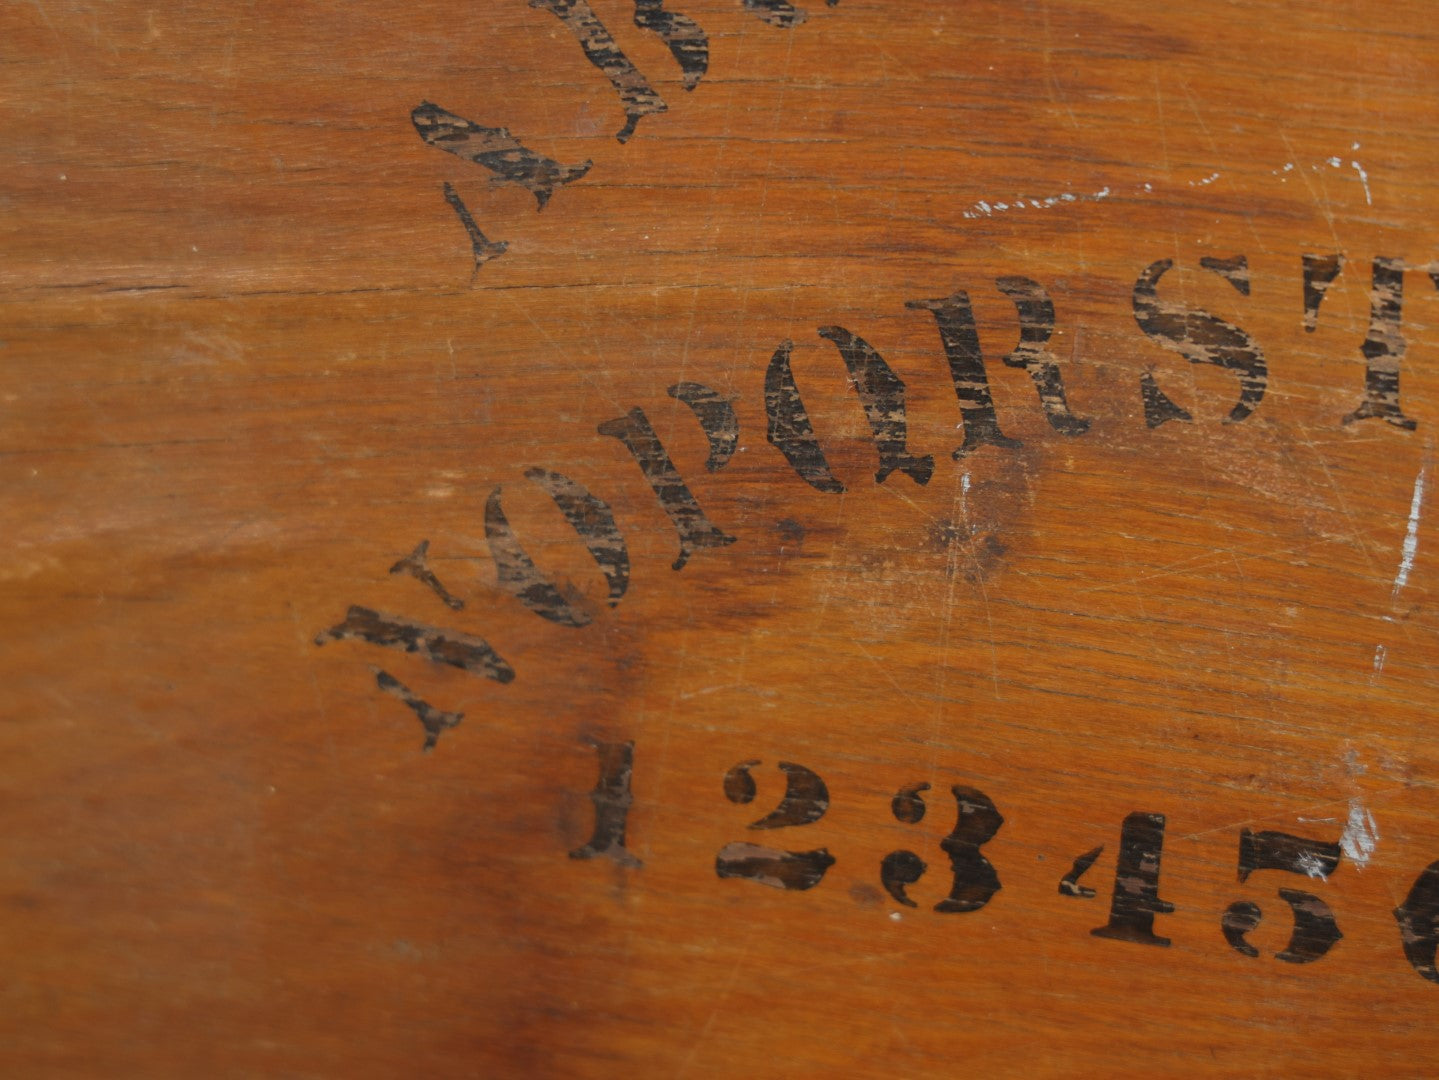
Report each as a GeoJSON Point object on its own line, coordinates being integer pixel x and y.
{"type": "Point", "coordinates": [254, 357]}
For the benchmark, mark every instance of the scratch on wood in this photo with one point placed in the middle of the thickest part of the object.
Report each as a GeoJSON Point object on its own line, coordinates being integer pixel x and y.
{"type": "Point", "coordinates": [1411, 537]}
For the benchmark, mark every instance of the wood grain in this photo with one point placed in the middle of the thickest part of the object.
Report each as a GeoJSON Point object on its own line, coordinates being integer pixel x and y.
{"type": "Point", "coordinates": [253, 359]}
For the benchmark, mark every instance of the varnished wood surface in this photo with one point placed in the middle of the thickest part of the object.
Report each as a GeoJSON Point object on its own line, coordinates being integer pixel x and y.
{"type": "Point", "coordinates": [249, 364]}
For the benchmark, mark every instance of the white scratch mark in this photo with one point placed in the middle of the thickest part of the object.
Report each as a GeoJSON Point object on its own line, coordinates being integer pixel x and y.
{"type": "Point", "coordinates": [1411, 537]}
{"type": "Point", "coordinates": [1363, 179]}
{"type": "Point", "coordinates": [1312, 865]}
{"type": "Point", "coordinates": [983, 208]}
{"type": "Point", "coordinates": [1361, 835]}
{"type": "Point", "coordinates": [1380, 652]}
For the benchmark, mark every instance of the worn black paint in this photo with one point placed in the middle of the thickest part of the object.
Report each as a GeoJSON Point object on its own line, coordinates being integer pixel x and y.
{"type": "Point", "coordinates": [594, 521]}
{"type": "Point", "coordinates": [792, 870]}
{"type": "Point", "coordinates": [694, 528]}
{"type": "Point", "coordinates": [495, 149]}
{"type": "Point", "coordinates": [739, 785]}
{"type": "Point", "coordinates": [1267, 850]}
{"type": "Point", "coordinates": [1158, 408]}
{"type": "Point", "coordinates": [1069, 884]}
{"type": "Point", "coordinates": [518, 575]}
{"type": "Point", "coordinates": [435, 721]}
{"type": "Point", "coordinates": [637, 96]}
{"type": "Point", "coordinates": [1384, 346]}
{"type": "Point", "coordinates": [779, 13]}
{"type": "Point", "coordinates": [417, 565]}
{"type": "Point", "coordinates": [806, 798]}
{"type": "Point", "coordinates": [975, 880]}
{"type": "Point", "coordinates": [1202, 338]}
{"type": "Point", "coordinates": [612, 798]}
{"type": "Point", "coordinates": [717, 419]}
{"type": "Point", "coordinates": [1234, 270]}
{"type": "Point", "coordinates": [897, 871]}
{"type": "Point", "coordinates": [1036, 325]}
{"type": "Point", "coordinates": [955, 319]}
{"type": "Point", "coordinates": [686, 40]}
{"type": "Point", "coordinates": [482, 248]}
{"type": "Point", "coordinates": [881, 392]}
{"type": "Point", "coordinates": [1315, 931]}
{"type": "Point", "coordinates": [1237, 921]}
{"type": "Point", "coordinates": [463, 651]}
{"type": "Point", "coordinates": [1418, 919]}
{"type": "Point", "coordinates": [1135, 900]}
{"type": "Point", "coordinates": [908, 804]}
{"type": "Point", "coordinates": [1319, 273]}
{"type": "Point", "coordinates": [790, 431]}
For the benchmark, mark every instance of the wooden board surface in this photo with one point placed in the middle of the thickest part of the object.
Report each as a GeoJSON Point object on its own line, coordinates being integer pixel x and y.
{"type": "Point", "coordinates": [1039, 398]}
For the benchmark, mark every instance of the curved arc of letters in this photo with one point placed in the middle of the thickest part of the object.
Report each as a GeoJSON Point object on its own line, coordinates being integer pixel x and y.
{"type": "Point", "coordinates": [882, 395]}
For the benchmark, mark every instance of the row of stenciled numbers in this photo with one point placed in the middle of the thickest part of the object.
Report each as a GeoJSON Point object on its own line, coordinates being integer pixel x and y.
{"type": "Point", "coordinates": [974, 881]}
